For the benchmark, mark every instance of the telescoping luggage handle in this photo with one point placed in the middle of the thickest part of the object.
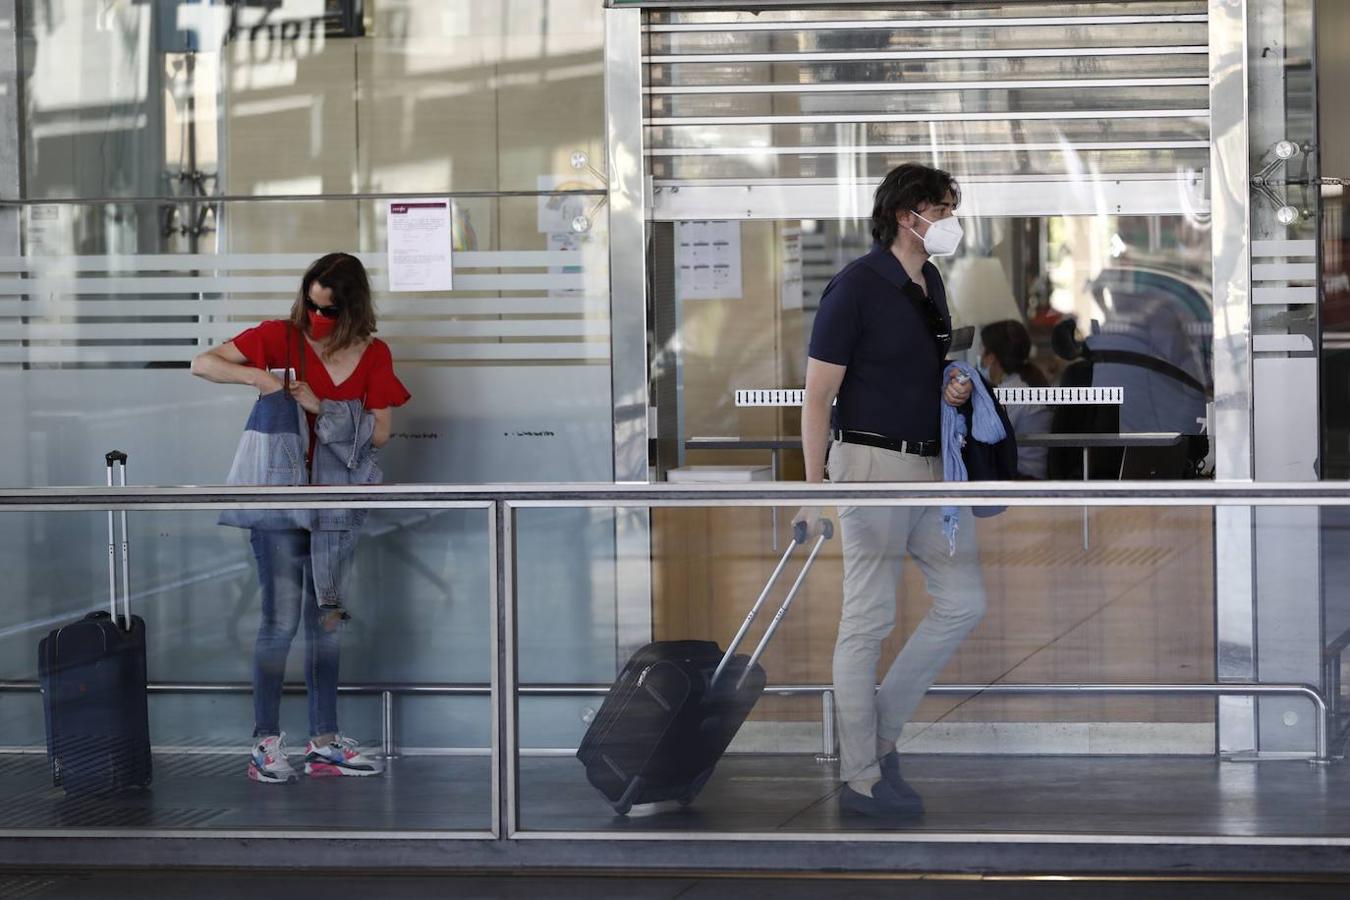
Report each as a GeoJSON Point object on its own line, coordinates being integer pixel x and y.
{"type": "Point", "coordinates": [119, 459]}
{"type": "Point", "coordinates": [798, 538]}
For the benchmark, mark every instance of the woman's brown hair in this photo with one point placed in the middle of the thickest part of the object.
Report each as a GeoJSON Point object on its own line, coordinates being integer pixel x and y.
{"type": "Point", "coordinates": [344, 275]}
{"type": "Point", "coordinates": [1011, 345]}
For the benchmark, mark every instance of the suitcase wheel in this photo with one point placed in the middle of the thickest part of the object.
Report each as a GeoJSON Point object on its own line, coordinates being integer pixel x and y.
{"type": "Point", "coordinates": [625, 803]}
{"type": "Point", "coordinates": [695, 787]}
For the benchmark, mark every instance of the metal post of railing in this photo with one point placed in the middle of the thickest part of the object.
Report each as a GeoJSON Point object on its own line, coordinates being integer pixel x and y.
{"type": "Point", "coordinates": [387, 723]}
{"type": "Point", "coordinates": [829, 741]}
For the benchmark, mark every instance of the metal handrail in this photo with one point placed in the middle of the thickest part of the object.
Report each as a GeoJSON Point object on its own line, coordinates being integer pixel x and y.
{"type": "Point", "coordinates": [518, 495]}
{"type": "Point", "coordinates": [501, 500]}
{"type": "Point", "coordinates": [388, 690]}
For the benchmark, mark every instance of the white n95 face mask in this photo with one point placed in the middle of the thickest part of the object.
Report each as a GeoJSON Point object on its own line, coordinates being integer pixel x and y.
{"type": "Point", "coordinates": [943, 236]}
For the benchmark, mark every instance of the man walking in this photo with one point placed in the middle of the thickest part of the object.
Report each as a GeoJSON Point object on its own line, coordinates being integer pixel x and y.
{"type": "Point", "coordinates": [878, 345]}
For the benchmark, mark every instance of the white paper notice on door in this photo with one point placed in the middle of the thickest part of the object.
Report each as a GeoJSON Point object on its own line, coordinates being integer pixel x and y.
{"type": "Point", "coordinates": [419, 242]}
{"type": "Point", "coordinates": [708, 260]}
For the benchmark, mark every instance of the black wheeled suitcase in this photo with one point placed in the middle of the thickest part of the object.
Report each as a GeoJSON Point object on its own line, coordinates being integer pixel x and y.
{"type": "Point", "coordinates": [676, 705]}
{"type": "Point", "coordinates": [93, 679]}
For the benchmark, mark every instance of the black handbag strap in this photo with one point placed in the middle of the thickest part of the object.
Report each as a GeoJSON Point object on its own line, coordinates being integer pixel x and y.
{"type": "Point", "coordinates": [300, 347]}
{"type": "Point", "coordinates": [939, 326]}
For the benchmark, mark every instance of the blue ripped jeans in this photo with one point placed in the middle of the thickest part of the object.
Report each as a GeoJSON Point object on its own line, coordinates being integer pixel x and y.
{"type": "Point", "coordinates": [287, 597]}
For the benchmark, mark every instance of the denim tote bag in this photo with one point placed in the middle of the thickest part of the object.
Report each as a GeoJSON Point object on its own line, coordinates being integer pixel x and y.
{"type": "Point", "coordinates": [272, 451]}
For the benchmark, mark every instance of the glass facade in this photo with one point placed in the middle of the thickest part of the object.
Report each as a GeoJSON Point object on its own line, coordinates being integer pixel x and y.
{"type": "Point", "coordinates": [421, 606]}
{"type": "Point", "coordinates": [1156, 608]}
{"type": "Point", "coordinates": [1133, 606]}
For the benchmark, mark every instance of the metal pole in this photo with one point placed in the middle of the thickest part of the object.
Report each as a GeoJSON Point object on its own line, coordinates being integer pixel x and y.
{"type": "Point", "coordinates": [1086, 477]}
{"type": "Point", "coordinates": [126, 555]}
{"type": "Point", "coordinates": [750, 617]}
{"type": "Point", "coordinates": [387, 723]}
{"type": "Point", "coordinates": [112, 555]}
{"type": "Point", "coordinates": [505, 684]}
{"type": "Point", "coordinates": [774, 475]}
{"type": "Point", "coordinates": [782, 610]}
{"type": "Point", "coordinates": [829, 742]}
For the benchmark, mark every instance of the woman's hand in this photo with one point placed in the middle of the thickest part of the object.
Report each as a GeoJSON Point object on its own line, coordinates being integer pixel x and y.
{"type": "Point", "coordinates": [306, 397]}
{"type": "Point", "coordinates": [957, 393]}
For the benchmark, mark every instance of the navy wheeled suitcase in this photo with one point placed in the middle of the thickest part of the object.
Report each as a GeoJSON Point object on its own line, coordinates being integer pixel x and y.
{"type": "Point", "coordinates": [676, 705]}
{"type": "Point", "coordinates": [93, 679]}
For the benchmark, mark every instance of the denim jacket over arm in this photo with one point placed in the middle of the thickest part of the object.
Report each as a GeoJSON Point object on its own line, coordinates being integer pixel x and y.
{"type": "Point", "coordinates": [344, 453]}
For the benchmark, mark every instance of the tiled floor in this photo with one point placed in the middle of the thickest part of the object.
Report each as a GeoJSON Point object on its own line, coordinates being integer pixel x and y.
{"type": "Point", "coordinates": [1040, 795]}
{"type": "Point", "coordinates": [212, 792]}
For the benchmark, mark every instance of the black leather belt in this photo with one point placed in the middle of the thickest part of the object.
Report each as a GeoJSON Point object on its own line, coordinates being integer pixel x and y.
{"type": "Point", "coordinates": [918, 448]}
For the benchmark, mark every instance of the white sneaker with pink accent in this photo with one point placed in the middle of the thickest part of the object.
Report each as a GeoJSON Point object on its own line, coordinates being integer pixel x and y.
{"type": "Point", "coordinates": [341, 757]}
{"type": "Point", "coordinates": [267, 764]}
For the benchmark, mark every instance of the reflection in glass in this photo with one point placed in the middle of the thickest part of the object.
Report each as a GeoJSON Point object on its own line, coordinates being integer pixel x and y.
{"type": "Point", "coordinates": [1107, 301]}
{"type": "Point", "coordinates": [183, 99]}
{"type": "Point", "coordinates": [522, 342]}
{"type": "Point", "coordinates": [1135, 606]}
{"type": "Point", "coordinates": [420, 619]}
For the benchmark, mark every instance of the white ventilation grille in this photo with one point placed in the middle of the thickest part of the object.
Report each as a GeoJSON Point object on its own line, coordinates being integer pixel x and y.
{"type": "Point", "coordinates": [1046, 396]}
{"type": "Point", "coordinates": [1008, 96]}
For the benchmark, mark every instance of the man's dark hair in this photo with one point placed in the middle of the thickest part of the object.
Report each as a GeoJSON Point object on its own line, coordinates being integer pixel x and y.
{"type": "Point", "coordinates": [903, 189]}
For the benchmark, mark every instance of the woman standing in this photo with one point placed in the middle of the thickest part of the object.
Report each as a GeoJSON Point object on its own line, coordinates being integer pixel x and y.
{"type": "Point", "coordinates": [330, 337]}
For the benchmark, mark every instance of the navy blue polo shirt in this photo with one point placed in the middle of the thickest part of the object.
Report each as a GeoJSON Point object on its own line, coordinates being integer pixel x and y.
{"type": "Point", "coordinates": [872, 320]}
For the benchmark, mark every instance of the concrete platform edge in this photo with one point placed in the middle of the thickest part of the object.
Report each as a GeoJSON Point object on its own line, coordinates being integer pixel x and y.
{"type": "Point", "coordinates": [1061, 855]}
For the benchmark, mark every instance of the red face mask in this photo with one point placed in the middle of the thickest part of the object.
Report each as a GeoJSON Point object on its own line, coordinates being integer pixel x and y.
{"type": "Point", "coordinates": [319, 326]}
